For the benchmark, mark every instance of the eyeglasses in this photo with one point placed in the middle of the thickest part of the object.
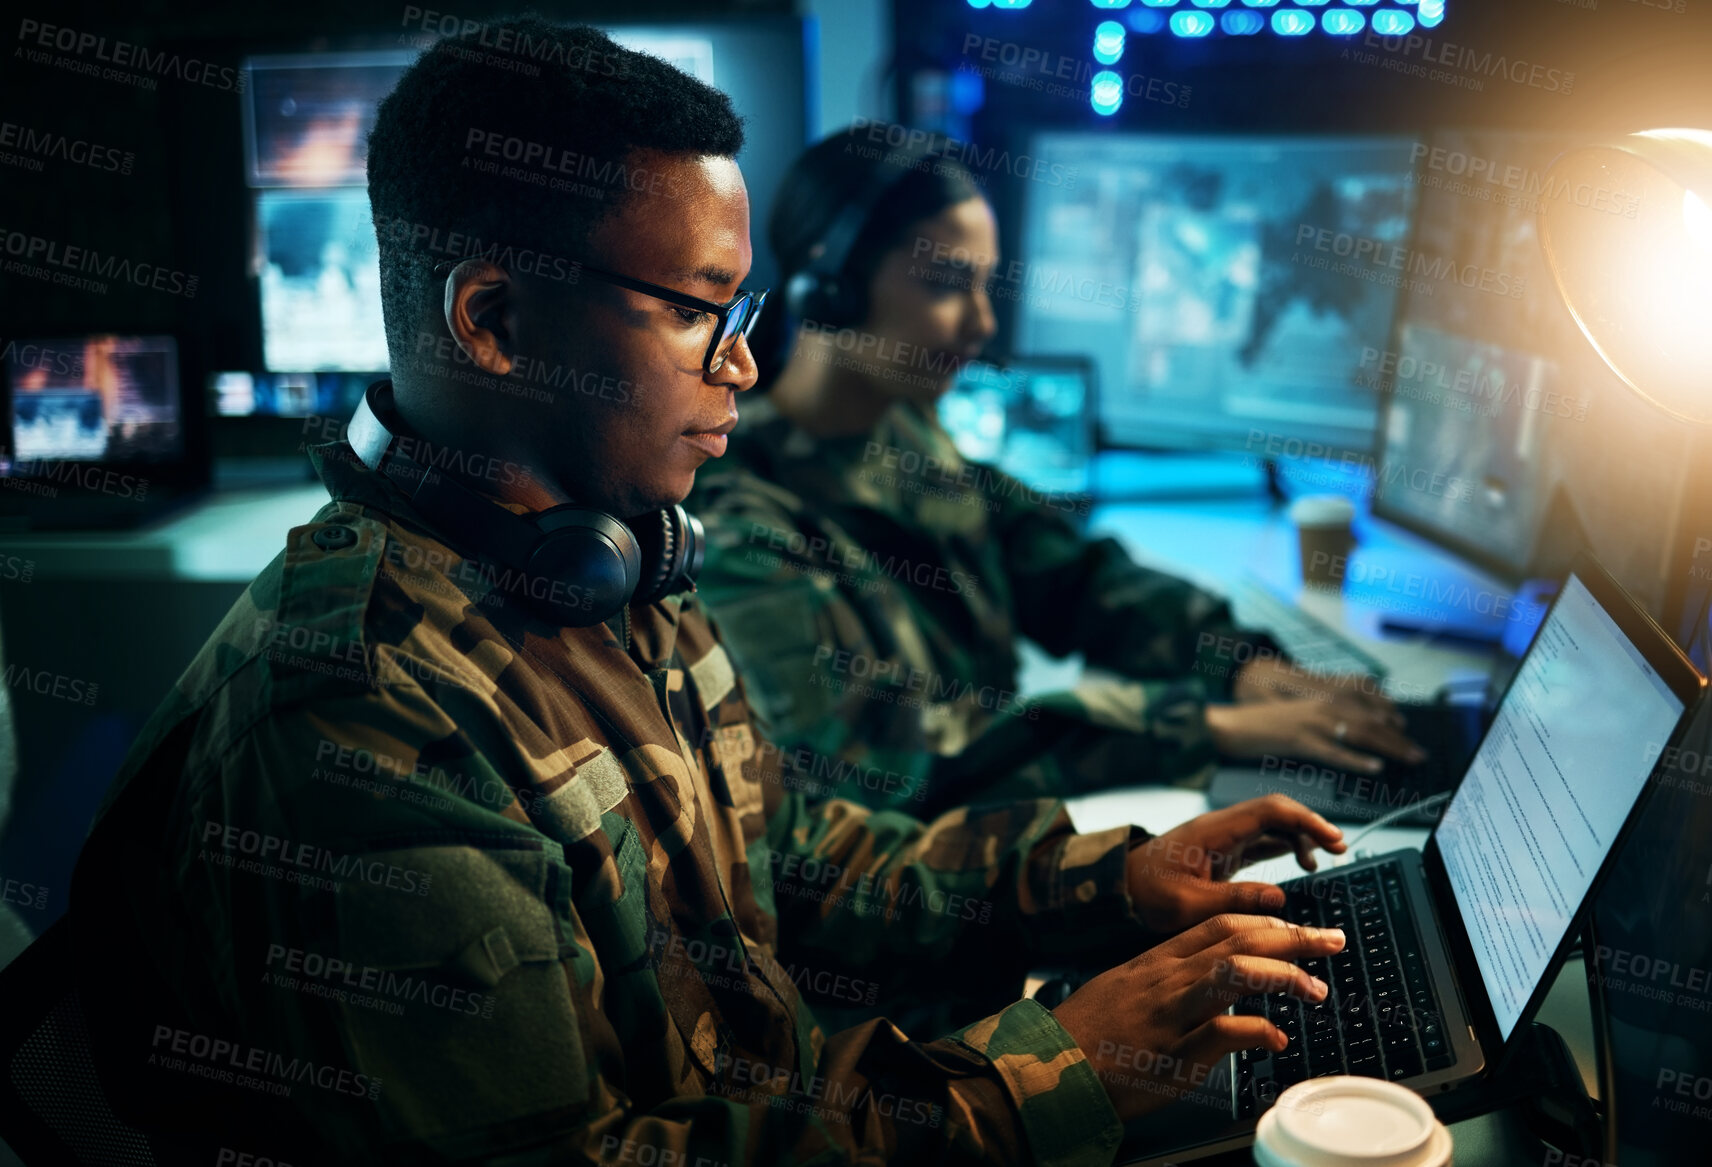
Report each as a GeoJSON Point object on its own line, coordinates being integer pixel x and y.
{"type": "Point", "coordinates": [732, 319]}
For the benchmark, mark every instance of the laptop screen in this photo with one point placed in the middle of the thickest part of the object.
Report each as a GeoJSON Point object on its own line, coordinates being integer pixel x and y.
{"type": "Point", "coordinates": [1554, 780]}
{"type": "Point", "coordinates": [1032, 419]}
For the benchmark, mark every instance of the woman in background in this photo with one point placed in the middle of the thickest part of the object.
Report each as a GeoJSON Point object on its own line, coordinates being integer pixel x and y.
{"type": "Point", "coordinates": [874, 584]}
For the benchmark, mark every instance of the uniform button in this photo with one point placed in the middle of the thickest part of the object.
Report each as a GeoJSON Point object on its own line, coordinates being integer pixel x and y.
{"type": "Point", "coordinates": [334, 538]}
{"type": "Point", "coordinates": [1087, 890]}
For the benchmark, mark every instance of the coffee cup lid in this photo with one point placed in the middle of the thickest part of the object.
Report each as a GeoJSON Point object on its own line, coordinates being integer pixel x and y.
{"type": "Point", "coordinates": [1322, 510]}
{"type": "Point", "coordinates": [1346, 1121]}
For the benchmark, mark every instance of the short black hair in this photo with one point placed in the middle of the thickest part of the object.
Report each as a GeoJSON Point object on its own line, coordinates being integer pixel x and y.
{"type": "Point", "coordinates": [513, 140]}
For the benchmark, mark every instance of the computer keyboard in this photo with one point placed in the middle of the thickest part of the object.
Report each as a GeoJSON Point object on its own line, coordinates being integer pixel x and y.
{"type": "Point", "coordinates": [1380, 1018]}
{"type": "Point", "coordinates": [1310, 642]}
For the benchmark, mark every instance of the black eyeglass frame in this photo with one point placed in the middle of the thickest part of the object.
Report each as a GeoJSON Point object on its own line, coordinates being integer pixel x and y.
{"type": "Point", "coordinates": [720, 312]}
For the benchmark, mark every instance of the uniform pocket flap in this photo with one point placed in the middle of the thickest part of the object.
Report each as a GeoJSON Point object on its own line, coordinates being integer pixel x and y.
{"type": "Point", "coordinates": [484, 912]}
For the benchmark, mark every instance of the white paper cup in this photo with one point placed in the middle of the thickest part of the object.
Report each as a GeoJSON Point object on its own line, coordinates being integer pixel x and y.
{"type": "Point", "coordinates": [1350, 1122]}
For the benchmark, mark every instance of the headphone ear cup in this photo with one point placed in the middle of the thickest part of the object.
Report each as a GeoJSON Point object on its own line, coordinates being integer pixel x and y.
{"type": "Point", "coordinates": [801, 295]}
{"type": "Point", "coordinates": [844, 303]}
{"type": "Point", "coordinates": [584, 569]}
{"type": "Point", "coordinates": [829, 300]}
{"type": "Point", "coordinates": [814, 296]}
{"type": "Point", "coordinates": [672, 543]}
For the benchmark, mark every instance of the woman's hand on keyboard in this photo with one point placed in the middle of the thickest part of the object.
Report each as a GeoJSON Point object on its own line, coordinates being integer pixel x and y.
{"type": "Point", "coordinates": [1333, 732]}
{"type": "Point", "coordinates": [1274, 679]}
{"type": "Point", "coordinates": [1182, 877]}
{"type": "Point", "coordinates": [1155, 1027]}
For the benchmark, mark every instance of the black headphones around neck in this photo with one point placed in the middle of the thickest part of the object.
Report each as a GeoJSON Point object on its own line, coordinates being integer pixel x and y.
{"type": "Point", "coordinates": [570, 565]}
{"type": "Point", "coordinates": [824, 291]}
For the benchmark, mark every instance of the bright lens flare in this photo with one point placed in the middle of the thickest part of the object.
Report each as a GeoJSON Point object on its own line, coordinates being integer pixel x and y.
{"type": "Point", "coordinates": [1698, 219]}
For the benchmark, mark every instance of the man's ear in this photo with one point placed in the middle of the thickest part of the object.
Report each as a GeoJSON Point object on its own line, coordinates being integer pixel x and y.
{"type": "Point", "coordinates": [481, 314]}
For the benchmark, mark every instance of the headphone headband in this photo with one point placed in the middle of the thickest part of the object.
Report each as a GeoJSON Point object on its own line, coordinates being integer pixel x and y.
{"type": "Point", "coordinates": [821, 291]}
{"type": "Point", "coordinates": [841, 235]}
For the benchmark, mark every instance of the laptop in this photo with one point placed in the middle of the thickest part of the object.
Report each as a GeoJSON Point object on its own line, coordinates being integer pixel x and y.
{"type": "Point", "coordinates": [94, 433]}
{"type": "Point", "coordinates": [1031, 417]}
{"type": "Point", "coordinates": [1451, 950]}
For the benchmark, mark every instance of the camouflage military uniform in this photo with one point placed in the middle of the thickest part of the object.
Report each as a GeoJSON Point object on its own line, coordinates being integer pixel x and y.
{"type": "Point", "coordinates": [432, 881]}
{"type": "Point", "coordinates": [873, 589]}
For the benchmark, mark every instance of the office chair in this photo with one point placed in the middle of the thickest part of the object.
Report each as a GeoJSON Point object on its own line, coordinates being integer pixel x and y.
{"type": "Point", "coordinates": [52, 1108]}
{"type": "Point", "coordinates": [15, 932]}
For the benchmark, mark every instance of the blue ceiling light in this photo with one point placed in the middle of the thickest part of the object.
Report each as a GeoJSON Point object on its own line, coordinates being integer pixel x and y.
{"type": "Point", "coordinates": [1189, 19]}
{"type": "Point", "coordinates": [1392, 22]}
{"type": "Point", "coordinates": [1108, 42]}
{"type": "Point", "coordinates": [979, 3]}
{"type": "Point", "coordinates": [1342, 21]}
{"type": "Point", "coordinates": [1105, 93]}
{"type": "Point", "coordinates": [1012, 3]}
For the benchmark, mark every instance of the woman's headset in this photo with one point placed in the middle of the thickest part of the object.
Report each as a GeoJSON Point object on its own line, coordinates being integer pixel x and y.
{"type": "Point", "coordinates": [570, 565]}
{"type": "Point", "coordinates": [824, 291]}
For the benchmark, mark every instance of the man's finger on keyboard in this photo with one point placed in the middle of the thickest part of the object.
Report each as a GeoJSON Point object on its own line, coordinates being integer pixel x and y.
{"type": "Point", "coordinates": [1229, 935]}
{"type": "Point", "coordinates": [1247, 898]}
{"type": "Point", "coordinates": [1230, 980]}
{"type": "Point", "coordinates": [1277, 814]}
{"type": "Point", "coordinates": [1226, 1034]}
{"type": "Point", "coordinates": [1305, 849]}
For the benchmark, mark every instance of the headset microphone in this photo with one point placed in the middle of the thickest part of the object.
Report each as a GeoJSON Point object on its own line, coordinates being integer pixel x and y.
{"type": "Point", "coordinates": [570, 565]}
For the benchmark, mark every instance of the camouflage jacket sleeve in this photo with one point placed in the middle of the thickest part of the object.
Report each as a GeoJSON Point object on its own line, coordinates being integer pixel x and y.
{"type": "Point", "coordinates": [1132, 620]}
{"type": "Point", "coordinates": [998, 883]}
{"type": "Point", "coordinates": [789, 618]}
{"type": "Point", "coordinates": [454, 996]}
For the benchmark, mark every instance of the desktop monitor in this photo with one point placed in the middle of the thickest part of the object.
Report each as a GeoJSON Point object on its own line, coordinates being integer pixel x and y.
{"type": "Point", "coordinates": [244, 394]}
{"type": "Point", "coordinates": [1222, 285]}
{"type": "Point", "coordinates": [320, 280]}
{"type": "Point", "coordinates": [306, 123]}
{"type": "Point", "coordinates": [99, 399]}
{"type": "Point", "coordinates": [1030, 418]}
{"type": "Point", "coordinates": [1504, 437]}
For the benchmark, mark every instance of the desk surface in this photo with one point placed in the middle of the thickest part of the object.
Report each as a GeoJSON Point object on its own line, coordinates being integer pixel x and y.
{"type": "Point", "coordinates": [227, 536]}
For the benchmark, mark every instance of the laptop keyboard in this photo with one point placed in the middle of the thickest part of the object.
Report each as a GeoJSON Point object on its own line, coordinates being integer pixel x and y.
{"type": "Point", "coordinates": [1380, 1019]}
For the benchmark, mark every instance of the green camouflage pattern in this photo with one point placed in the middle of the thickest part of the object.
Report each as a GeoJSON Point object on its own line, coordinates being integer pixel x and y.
{"type": "Point", "coordinates": [472, 888]}
{"type": "Point", "coordinates": [874, 588]}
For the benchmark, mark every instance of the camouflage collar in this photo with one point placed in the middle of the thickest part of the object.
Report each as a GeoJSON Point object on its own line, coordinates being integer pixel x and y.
{"type": "Point", "coordinates": [649, 636]}
{"type": "Point", "coordinates": [348, 479]}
